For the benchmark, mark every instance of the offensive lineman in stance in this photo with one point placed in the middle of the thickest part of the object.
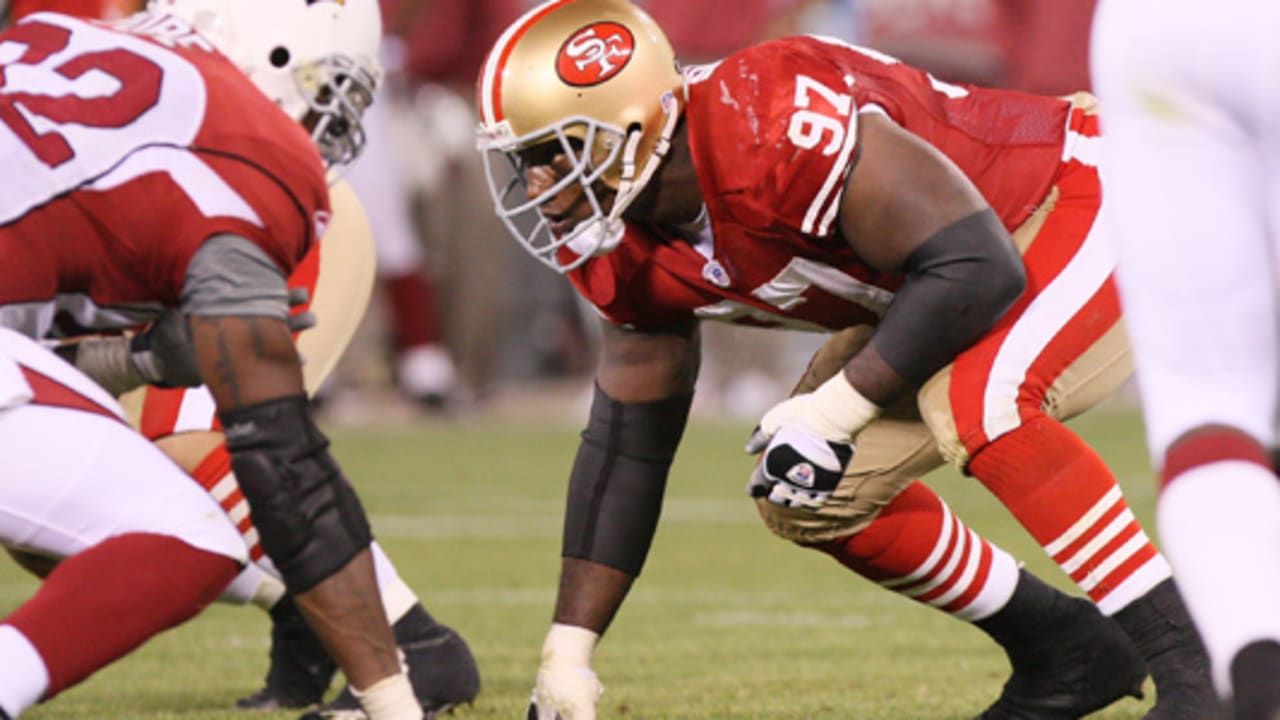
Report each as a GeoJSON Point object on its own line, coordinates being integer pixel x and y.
{"type": "Point", "coordinates": [78, 485]}
{"type": "Point", "coordinates": [810, 184]}
{"type": "Point", "coordinates": [145, 170]}
{"type": "Point", "coordinates": [338, 276]}
{"type": "Point", "coordinates": [1192, 172]}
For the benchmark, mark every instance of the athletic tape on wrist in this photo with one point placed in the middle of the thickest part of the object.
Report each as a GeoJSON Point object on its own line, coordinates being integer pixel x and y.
{"type": "Point", "coordinates": [569, 644]}
{"type": "Point", "coordinates": [843, 409]}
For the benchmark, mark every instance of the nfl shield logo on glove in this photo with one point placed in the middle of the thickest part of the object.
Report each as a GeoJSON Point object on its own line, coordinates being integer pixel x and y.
{"type": "Point", "coordinates": [801, 475]}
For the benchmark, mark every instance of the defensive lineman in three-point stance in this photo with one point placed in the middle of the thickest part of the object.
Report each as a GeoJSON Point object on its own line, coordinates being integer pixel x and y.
{"type": "Point", "coordinates": [944, 233]}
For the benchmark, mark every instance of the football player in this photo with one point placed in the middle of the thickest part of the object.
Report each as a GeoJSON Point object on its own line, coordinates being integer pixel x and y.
{"type": "Point", "coordinates": [78, 484]}
{"type": "Point", "coordinates": [441, 667]}
{"type": "Point", "coordinates": [1192, 168]}
{"type": "Point", "coordinates": [337, 276]}
{"type": "Point", "coordinates": [147, 170]}
{"type": "Point", "coordinates": [944, 234]}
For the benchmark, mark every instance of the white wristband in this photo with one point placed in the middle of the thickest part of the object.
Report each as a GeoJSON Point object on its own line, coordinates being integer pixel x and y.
{"type": "Point", "coordinates": [843, 409]}
{"type": "Point", "coordinates": [390, 698]}
{"type": "Point", "coordinates": [569, 644]}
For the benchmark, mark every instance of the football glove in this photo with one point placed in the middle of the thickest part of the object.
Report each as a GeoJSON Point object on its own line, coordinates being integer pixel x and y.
{"type": "Point", "coordinates": [566, 687]}
{"type": "Point", "coordinates": [565, 692]}
{"type": "Point", "coordinates": [163, 354]}
{"type": "Point", "coordinates": [807, 441]}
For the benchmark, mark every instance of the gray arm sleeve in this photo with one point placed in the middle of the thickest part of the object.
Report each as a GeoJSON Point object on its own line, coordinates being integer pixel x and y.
{"type": "Point", "coordinates": [230, 275]}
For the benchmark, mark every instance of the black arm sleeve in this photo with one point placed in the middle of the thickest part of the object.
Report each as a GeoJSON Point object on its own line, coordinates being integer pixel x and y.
{"type": "Point", "coordinates": [959, 283]}
{"type": "Point", "coordinates": [619, 477]}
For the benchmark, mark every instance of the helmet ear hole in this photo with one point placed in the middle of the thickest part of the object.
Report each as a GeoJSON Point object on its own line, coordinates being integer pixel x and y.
{"type": "Point", "coordinates": [280, 57]}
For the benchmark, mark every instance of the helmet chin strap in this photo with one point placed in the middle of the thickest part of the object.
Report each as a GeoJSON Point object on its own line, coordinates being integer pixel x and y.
{"type": "Point", "coordinates": [630, 186]}
{"type": "Point", "coordinates": [603, 234]}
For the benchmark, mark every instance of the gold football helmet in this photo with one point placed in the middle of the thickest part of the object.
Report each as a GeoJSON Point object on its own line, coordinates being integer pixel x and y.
{"type": "Point", "coordinates": [599, 78]}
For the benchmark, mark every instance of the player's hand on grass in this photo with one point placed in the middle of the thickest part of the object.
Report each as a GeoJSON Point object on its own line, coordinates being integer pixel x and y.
{"type": "Point", "coordinates": [566, 687]}
{"type": "Point", "coordinates": [565, 692]}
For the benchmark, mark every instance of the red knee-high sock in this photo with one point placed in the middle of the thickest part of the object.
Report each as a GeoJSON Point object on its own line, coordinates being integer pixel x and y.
{"type": "Point", "coordinates": [1067, 498]}
{"type": "Point", "coordinates": [413, 310]}
{"type": "Point", "coordinates": [105, 601]}
{"type": "Point", "coordinates": [917, 547]}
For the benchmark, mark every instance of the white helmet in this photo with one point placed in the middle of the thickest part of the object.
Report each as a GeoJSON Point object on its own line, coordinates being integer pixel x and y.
{"type": "Point", "coordinates": [317, 59]}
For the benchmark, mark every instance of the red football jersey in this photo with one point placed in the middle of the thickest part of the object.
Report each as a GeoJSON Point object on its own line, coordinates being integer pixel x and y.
{"type": "Point", "coordinates": [19, 9]}
{"type": "Point", "coordinates": [124, 149]}
{"type": "Point", "coordinates": [773, 133]}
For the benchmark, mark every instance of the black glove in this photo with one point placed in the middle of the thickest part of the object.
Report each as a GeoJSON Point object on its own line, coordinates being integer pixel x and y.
{"type": "Point", "coordinates": [163, 354]}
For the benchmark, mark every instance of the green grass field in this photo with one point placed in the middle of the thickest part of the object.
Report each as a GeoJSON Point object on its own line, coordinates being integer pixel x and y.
{"type": "Point", "coordinates": [726, 622]}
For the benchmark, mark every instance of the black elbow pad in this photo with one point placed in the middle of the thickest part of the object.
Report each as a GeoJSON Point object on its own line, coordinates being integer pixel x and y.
{"type": "Point", "coordinates": [308, 517]}
{"type": "Point", "coordinates": [960, 282]}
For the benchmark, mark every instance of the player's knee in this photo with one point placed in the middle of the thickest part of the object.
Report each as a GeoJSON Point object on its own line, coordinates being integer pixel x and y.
{"type": "Point", "coordinates": [222, 538]}
{"type": "Point", "coordinates": [839, 518]}
{"type": "Point", "coordinates": [956, 442]}
{"type": "Point", "coordinates": [1211, 443]}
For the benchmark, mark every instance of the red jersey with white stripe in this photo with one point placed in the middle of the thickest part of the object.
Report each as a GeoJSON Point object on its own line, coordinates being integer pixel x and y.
{"type": "Point", "coordinates": [773, 132]}
{"type": "Point", "coordinates": [125, 148]}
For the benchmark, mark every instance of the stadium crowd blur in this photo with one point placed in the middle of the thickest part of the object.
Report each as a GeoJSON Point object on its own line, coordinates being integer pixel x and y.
{"type": "Point", "coordinates": [465, 318]}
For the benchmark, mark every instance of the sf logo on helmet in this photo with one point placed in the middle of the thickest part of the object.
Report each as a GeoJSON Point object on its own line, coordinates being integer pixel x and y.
{"type": "Point", "coordinates": [595, 54]}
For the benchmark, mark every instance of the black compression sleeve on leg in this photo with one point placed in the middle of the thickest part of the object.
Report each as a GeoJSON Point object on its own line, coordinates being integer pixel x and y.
{"type": "Point", "coordinates": [307, 514]}
{"type": "Point", "coordinates": [959, 283]}
{"type": "Point", "coordinates": [618, 479]}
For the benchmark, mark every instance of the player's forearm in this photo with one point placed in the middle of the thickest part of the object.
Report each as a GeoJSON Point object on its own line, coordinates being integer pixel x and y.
{"type": "Point", "coordinates": [614, 501]}
{"type": "Point", "coordinates": [246, 360]}
{"type": "Point", "coordinates": [346, 610]}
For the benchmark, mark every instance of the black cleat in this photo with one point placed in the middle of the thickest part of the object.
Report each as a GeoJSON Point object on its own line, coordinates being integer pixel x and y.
{"type": "Point", "coordinates": [300, 670]}
{"type": "Point", "coordinates": [1253, 681]}
{"type": "Point", "coordinates": [1162, 631]}
{"type": "Point", "coordinates": [442, 670]}
{"type": "Point", "coordinates": [1068, 658]}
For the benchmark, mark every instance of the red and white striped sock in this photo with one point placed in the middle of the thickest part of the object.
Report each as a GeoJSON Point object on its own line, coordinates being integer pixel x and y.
{"type": "Point", "coordinates": [258, 582]}
{"type": "Point", "coordinates": [917, 547]}
{"type": "Point", "coordinates": [214, 474]}
{"type": "Point", "coordinates": [1067, 498]}
{"type": "Point", "coordinates": [103, 602]}
{"type": "Point", "coordinates": [1218, 512]}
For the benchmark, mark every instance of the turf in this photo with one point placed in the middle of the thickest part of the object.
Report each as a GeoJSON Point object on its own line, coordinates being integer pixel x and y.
{"type": "Point", "coordinates": [726, 622]}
